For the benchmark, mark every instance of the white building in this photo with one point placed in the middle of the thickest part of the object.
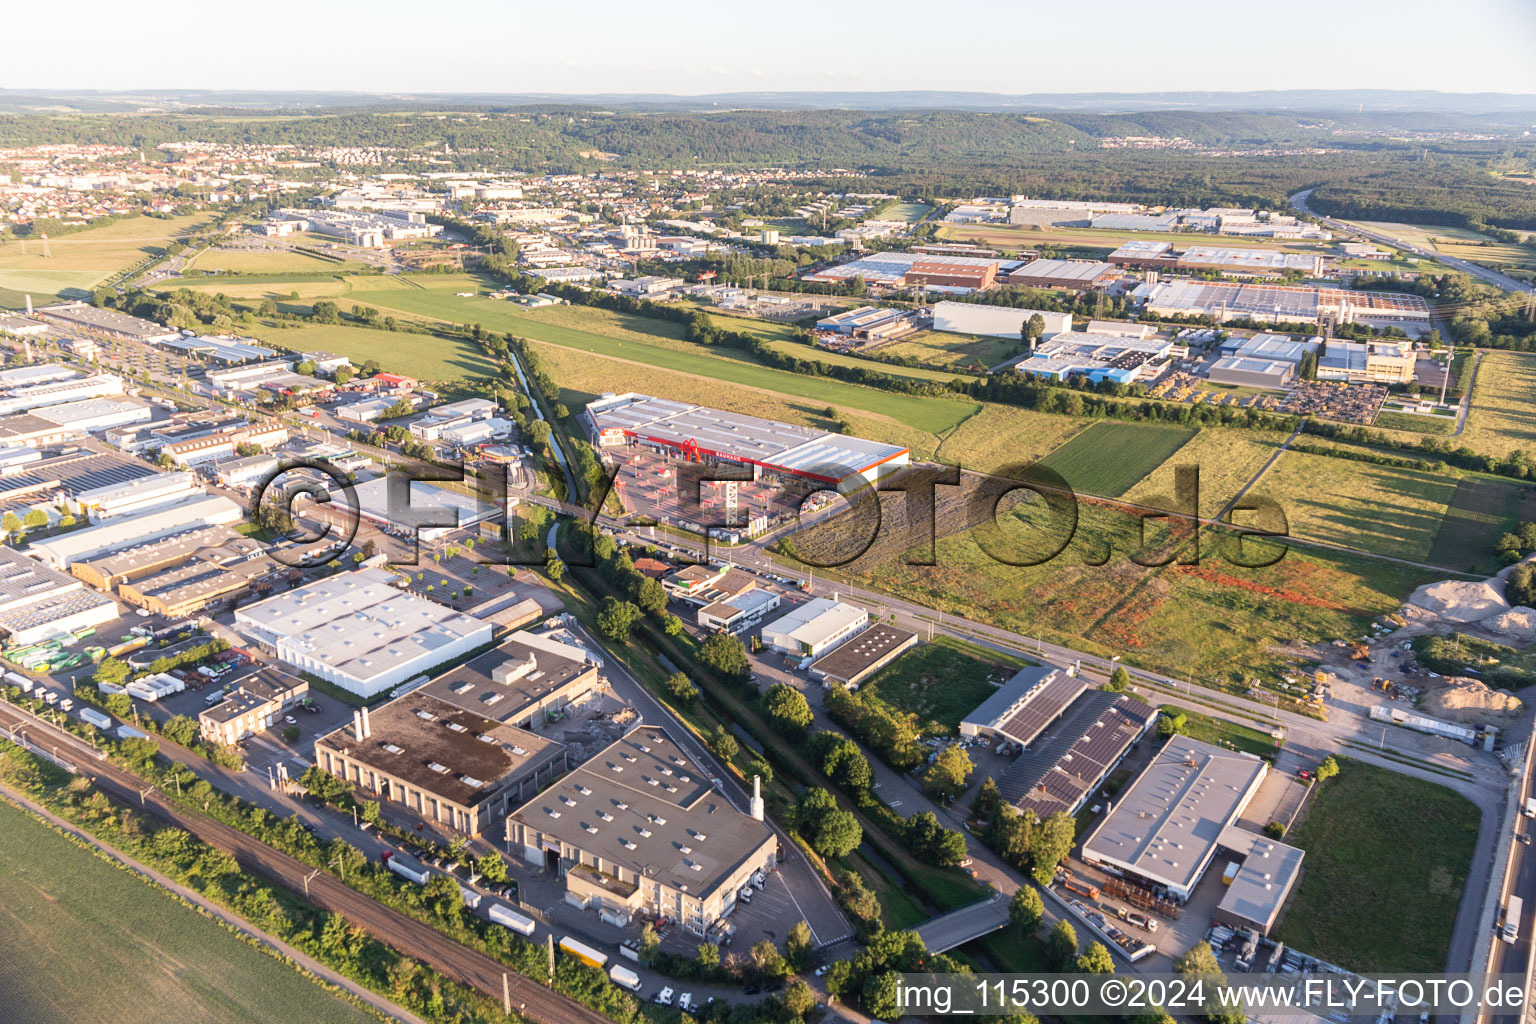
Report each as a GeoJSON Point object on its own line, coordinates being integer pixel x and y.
{"type": "Point", "coordinates": [38, 603]}
{"type": "Point", "coordinates": [817, 625]}
{"type": "Point", "coordinates": [360, 632]}
{"type": "Point", "coordinates": [80, 545]}
{"type": "Point", "coordinates": [36, 396]}
{"type": "Point", "coordinates": [136, 496]}
{"type": "Point", "coordinates": [994, 321]}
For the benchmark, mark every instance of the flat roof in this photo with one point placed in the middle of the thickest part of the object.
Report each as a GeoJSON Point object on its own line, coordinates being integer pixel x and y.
{"type": "Point", "coordinates": [124, 531]}
{"type": "Point", "coordinates": [522, 672]}
{"type": "Point", "coordinates": [442, 749]}
{"type": "Point", "coordinates": [859, 653]}
{"type": "Point", "coordinates": [53, 608]}
{"type": "Point", "coordinates": [1066, 270]}
{"type": "Point", "coordinates": [1167, 823]}
{"type": "Point", "coordinates": [186, 543]}
{"type": "Point", "coordinates": [24, 579]}
{"type": "Point", "coordinates": [1269, 870]}
{"type": "Point", "coordinates": [77, 473]}
{"type": "Point", "coordinates": [817, 619]}
{"type": "Point", "coordinates": [105, 319]}
{"type": "Point", "coordinates": [644, 805]}
{"type": "Point", "coordinates": [373, 501]}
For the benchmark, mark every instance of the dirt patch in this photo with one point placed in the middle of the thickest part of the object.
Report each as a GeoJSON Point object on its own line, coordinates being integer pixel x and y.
{"type": "Point", "coordinates": [1460, 601]}
{"type": "Point", "coordinates": [1470, 701]}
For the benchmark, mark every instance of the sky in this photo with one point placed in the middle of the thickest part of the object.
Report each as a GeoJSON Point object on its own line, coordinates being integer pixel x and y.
{"type": "Point", "coordinates": [600, 46]}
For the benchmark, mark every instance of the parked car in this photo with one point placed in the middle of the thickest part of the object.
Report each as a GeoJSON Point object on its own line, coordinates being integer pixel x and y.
{"type": "Point", "coordinates": [290, 720]}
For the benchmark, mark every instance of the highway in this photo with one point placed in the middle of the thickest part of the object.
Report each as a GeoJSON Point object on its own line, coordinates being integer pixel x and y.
{"type": "Point", "coordinates": [1477, 270]}
{"type": "Point", "coordinates": [414, 939]}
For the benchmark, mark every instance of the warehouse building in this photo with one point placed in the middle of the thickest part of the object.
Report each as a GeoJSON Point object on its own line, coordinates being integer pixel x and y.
{"type": "Point", "coordinates": [109, 571]}
{"type": "Point", "coordinates": [1067, 275]}
{"type": "Point", "coordinates": [84, 317]}
{"type": "Point", "coordinates": [867, 322]}
{"type": "Point", "coordinates": [738, 612]}
{"type": "Point", "coordinates": [38, 603]}
{"type": "Point", "coordinates": [439, 510]}
{"type": "Point", "coordinates": [814, 627]}
{"type": "Point", "coordinates": [93, 414]}
{"type": "Point", "coordinates": [135, 496]}
{"type": "Point", "coordinates": [915, 269]}
{"type": "Point", "coordinates": [224, 350]}
{"type": "Point", "coordinates": [1281, 347]}
{"type": "Point", "coordinates": [36, 373]}
{"type": "Point", "coordinates": [1097, 357]}
{"type": "Point", "coordinates": [1169, 824]}
{"type": "Point", "coordinates": [28, 397]}
{"type": "Point", "coordinates": [1021, 709]}
{"type": "Point", "coordinates": [696, 432]}
{"type": "Point", "coordinates": [19, 326]}
{"type": "Point", "coordinates": [1371, 362]}
{"type": "Point", "coordinates": [1276, 304]}
{"type": "Point", "coordinates": [440, 763]}
{"type": "Point", "coordinates": [995, 321]}
{"type": "Point", "coordinates": [359, 631]}
{"type": "Point", "coordinates": [1140, 254]}
{"type": "Point", "coordinates": [82, 545]}
{"type": "Point", "coordinates": [639, 829]}
{"type": "Point", "coordinates": [25, 430]}
{"type": "Point", "coordinates": [211, 575]}
{"type": "Point", "coordinates": [1250, 261]}
{"type": "Point", "coordinates": [1058, 774]}
{"type": "Point", "coordinates": [252, 707]}
{"type": "Point", "coordinates": [851, 663]}
{"type": "Point", "coordinates": [1241, 371]}
{"type": "Point", "coordinates": [529, 679]}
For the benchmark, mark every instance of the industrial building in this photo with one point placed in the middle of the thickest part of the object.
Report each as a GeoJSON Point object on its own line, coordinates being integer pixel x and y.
{"type": "Point", "coordinates": [27, 397]}
{"type": "Point", "coordinates": [1223, 301]}
{"type": "Point", "coordinates": [438, 510]}
{"type": "Point", "coordinates": [1169, 824]}
{"type": "Point", "coordinates": [38, 603]}
{"type": "Point", "coordinates": [36, 373]}
{"type": "Point", "coordinates": [1021, 709]}
{"type": "Point", "coordinates": [1241, 371]}
{"type": "Point", "coordinates": [1250, 261]}
{"type": "Point", "coordinates": [850, 663]}
{"type": "Point", "coordinates": [995, 321]}
{"type": "Point", "coordinates": [106, 572]}
{"type": "Point", "coordinates": [208, 447]}
{"type": "Point", "coordinates": [1140, 254]}
{"type": "Point", "coordinates": [440, 763]}
{"type": "Point", "coordinates": [639, 829]}
{"type": "Point", "coordinates": [134, 496]}
{"type": "Point", "coordinates": [275, 375]}
{"type": "Point", "coordinates": [63, 551]}
{"type": "Point", "coordinates": [870, 322]}
{"type": "Point", "coordinates": [1370, 362]}
{"type": "Point", "coordinates": [738, 612]}
{"type": "Point", "coordinates": [1066, 275]}
{"type": "Point", "coordinates": [529, 679]}
{"type": "Point", "coordinates": [1061, 771]}
{"type": "Point", "coordinates": [696, 432]}
{"type": "Point", "coordinates": [814, 627]}
{"type": "Point", "coordinates": [19, 326]}
{"type": "Point", "coordinates": [211, 574]}
{"type": "Point", "coordinates": [360, 631]}
{"type": "Point", "coordinates": [914, 269]}
{"type": "Point", "coordinates": [252, 707]}
{"type": "Point", "coordinates": [1281, 347]}
{"type": "Point", "coordinates": [225, 350]}
{"type": "Point", "coordinates": [85, 317]}
{"type": "Point", "coordinates": [92, 414]}
{"type": "Point", "coordinates": [1097, 357]}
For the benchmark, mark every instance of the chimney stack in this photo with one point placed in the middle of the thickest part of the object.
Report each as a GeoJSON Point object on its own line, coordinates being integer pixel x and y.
{"type": "Point", "coordinates": [29, 305]}
{"type": "Point", "coordinates": [357, 725]}
{"type": "Point", "coordinates": [367, 725]}
{"type": "Point", "coordinates": [756, 806]}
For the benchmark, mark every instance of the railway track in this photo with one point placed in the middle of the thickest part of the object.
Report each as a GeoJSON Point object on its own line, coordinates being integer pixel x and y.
{"type": "Point", "coordinates": [410, 937]}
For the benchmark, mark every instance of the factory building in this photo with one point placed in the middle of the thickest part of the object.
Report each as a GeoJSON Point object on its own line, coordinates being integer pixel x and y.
{"type": "Point", "coordinates": [1223, 301]}
{"type": "Point", "coordinates": [738, 612]}
{"type": "Point", "coordinates": [1242, 371]}
{"type": "Point", "coordinates": [84, 317]}
{"type": "Point", "coordinates": [1066, 275]}
{"type": "Point", "coordinates": [1281, 347]}
{"type": "Point", "coordinates": [530, 679]}
{"type": "Point", "coordinates": [252, 707]}
{"type": "Point", "coordinates": [850, 663]}
{"type": "Point", "coordinates": [696, 432]}
{"type": "Point", "coordinates": [1371, 362]}
{"type": "Point", "coordinates": [1059, 773]}
{"type": "Point", "coordinates": [63, 551]}
{"type": "Point", "coordinates": [440, 763]}
{"type": "Point", "coordinates": [995, 321]}
{"type": "Point", "coordinates": [639, 829]}
{"type": "Point", "coordinates": [38, 603]}
{"type": "Point", "coordinates": [108, 571]}
{"type": "Point", "coordinates": [1022, 708]}
{"type": "Point", "coordinates": [25, 398]}
{"type": "Point", "coordinates": [1096, 357]}
{"type": "Point", "coordinates": [135, 496]}
{"type": "Point", "coordinates": [359, 631]}
{"type": "Point", "coordinates": [19, 326]}
{"type": "Point", "coordinates": [814, 627]}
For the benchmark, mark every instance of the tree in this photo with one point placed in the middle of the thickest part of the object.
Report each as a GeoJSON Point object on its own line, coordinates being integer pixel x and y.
{"type": "Point", "coordinates": [723, 743]}
{"type": "Point", "coordinates": [1119, 680]}
{"type": "Point", "coordinates": [651, 596]}
{"type": "Point", "coordinates": [933, 843]}
{"type": "Point", "coordinates": [1061, 945]}
{"type": "Point", "coordinates": [1170, 725]}
{"type": "Point", "coordinates": [291, 733]}
{"type": "Point", "coordinates": [10, 523]}
{"type": "Point", "coordinates": [844, 763]}
{"type": "Point", "coordinates": [492, 867]}
{"type": "Point", "coordinates": [650, 943]}
{"type": "Point", "coordinates": [797, 946]}
{"type": "Point", "coordinates": [35, 519]}
{"type": "Point", "coordinates": [726, 655]}
{"type": "Point", "coordinates": [798, 999]}
{"type": "Point", "coordinates": [554, 568]}
{"type": "Point", "coordinates": [617, 619]}
{"type": "Point", "coordinates": [1327, 769]}
{"type": "Point", "coordinates": [1052, 842]}
{"type": "Point", "coordinates": [988, 799]}
{"type": "Point", "coordinates": [830, 830]}
{"type": "Point", "coordinates": [1026, 910]}
{"type": "Point", "coordinates": [950, 772]}
{"type": "Point", "coordinates": [768, 960]}
{"type": "Point", "coordinates": [709, 956]}
{"type": "Point", "coordinates": [112, 670]}
{"type": "Point", "coordinates": [680, 688]}
{"type": "Point", "coordinates": [788, 711]}
{"type": "Point", "coordinates": [1095, 960]}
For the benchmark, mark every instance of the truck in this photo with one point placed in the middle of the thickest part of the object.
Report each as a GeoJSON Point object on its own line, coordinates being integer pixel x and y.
{"type": "Point", "coordinates": [471, 898]}
{"type": "Point", "coordinates": [1081, 888]}
{"type": "Point", "coordinates": [624, 977]}
{"type": "Point", "coordinates": [1230, 872]}
{"type": "Point", "coordinates": [91, 716]}
{"type": "Point", "coordinates": [583, 952]}
{"type": "Point", "coordinates": [1512, 910]}
{"type": "Point", "coordinates": [128, 732]}
{"type": "Point", "coordinates": [509, 918]}
{"type": "Point", "coordinates": [1530, 807]}
{"type": "Point", "coordinates": [405, 867]}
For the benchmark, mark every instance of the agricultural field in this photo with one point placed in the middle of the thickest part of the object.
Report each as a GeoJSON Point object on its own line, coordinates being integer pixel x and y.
{"type": "Point", "coordinates": [1227, 459]}
{"type": "Point", "coordinates": [909, 212]}
{"type": "Point", "coordinates": [965, 352]}
{"type": "Point", "coordinates": [258, 261]}
{"type": "Point", "coordinates": [582, 378]}
{"type": "Point", "coordinates": [1414, 422]}
{"type": "Point", "coordinates": [1109, 458]}
{"type": "Point", "coordinates": [1427, 235]}
{"type": "Point", "coordinates": [1480, 511]}
{"type": "Point", "coordinates": [86, 941]}
{"type": "Point", "coordinates": [1353, 504]}
{"type": "Point", "coordinates": [1366, 899]}
{"type": "Point", "coordinates": [1216, 621]}
{"type": "Point", "coordinates": [423, 356]}
{"type": "Point", "coordinates": [1025, 237]}
{"type": "Point", "coordinates": [939, 682]}
{"type": "Point", "coordinates": [998, 436]}
{"type": "Point", "coordinates": [1503, 416]}
{"type": "Point", "coordinates": [78, 262]}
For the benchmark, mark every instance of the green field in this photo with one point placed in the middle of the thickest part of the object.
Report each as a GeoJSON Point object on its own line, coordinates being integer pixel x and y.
{"type": "Point", "coordinates": [1354, 504]}
{"type": "Point", "coordinates": [78, 262]}
{"type": "Point", "coordinates": [259, 261]}
{"type": "Point", "coordinates": [1367, 899]}
{"type": "Point", "coordinates": [425, 357]}
{"type": "Point", "coordinates": [85, 941]}
{"type": "Point", "coordinates": [939, 682]}
{"type": "Point", "coordinates": [1227, 734]}
{"type": "Point", "coordinates": [1227, 458]}
{"type": "Point", "coordinates": [960, 351]}
{"type": "Point", "coordinates": [1108, 459]}
{"type": "Point", "coordinates": [1480, 511]}
{"type": "Point", "coordinates": [1419, 423]}
{"type": "Point", "coordinates": [1503, 416]}
{"type": "Point", "coordinates": [909, 212]}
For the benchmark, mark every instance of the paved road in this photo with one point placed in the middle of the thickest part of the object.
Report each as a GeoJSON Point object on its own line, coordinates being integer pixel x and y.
{"type": "Point", "coordinates": [1477, 270]}
{"type": "Point", "coordinates": [414, 939]}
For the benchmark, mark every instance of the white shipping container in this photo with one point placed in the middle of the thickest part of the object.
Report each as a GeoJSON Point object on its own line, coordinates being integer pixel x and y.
{"type": "Point", "coordinates": [506, 916]}
{"type": "Point", "coordinates": [93, 717]}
